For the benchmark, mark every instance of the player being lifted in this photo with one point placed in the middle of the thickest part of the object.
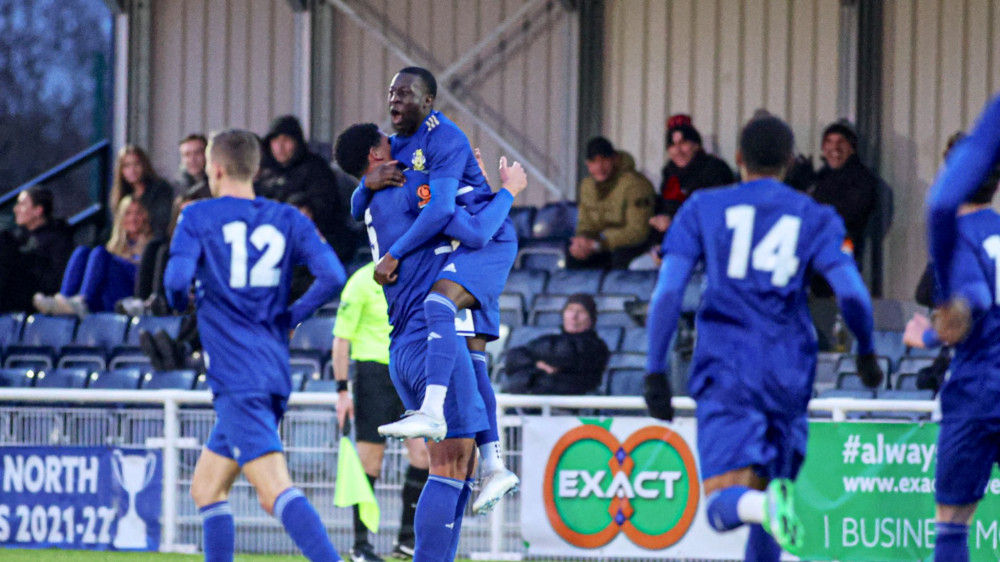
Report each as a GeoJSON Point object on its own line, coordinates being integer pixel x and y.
{"type": "Point", "coordinates": [389, 215]}
{"type": "Point", "coordinates": [429, 143]}
{"type": "Point", "coordinates": [241, 250]}
{"type": "Point", "coordinates": [755, 358]}
{"type": "Point", "coordinates": [964, 237]}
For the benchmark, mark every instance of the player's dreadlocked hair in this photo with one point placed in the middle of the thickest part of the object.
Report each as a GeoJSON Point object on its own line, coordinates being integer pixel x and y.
{"type": "Point", "coordinates": [351, 150]}
{"type": "Point", "coordinates": [425, 76]}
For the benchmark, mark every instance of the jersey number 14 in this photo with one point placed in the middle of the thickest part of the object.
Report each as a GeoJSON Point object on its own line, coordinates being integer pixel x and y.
{"type": "Point", "coordinates": [266, 238]}
{"type": "Point", "coordinates": [775, 253]}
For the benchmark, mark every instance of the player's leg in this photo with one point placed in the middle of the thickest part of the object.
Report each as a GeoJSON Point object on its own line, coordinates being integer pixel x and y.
{"type": "Point", "coordinates": [498, 480]}
{"type": "Point", "coordinates": [463, 500]}
{"type": "Point", "coordinates": [213, 477]}
{"type": "Point", "coordinates": [442, 495]}
{"type": "Point", "coordinates": [951, 542]}
{"type": "Point", "coordinates": [269, 476]}
{"type": "Point", "coordinates": [444, 301]}
{"type": "Point", "coordinates": [413, 485]}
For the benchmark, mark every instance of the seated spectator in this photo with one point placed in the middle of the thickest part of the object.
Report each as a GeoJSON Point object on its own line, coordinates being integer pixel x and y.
{"type": "Point", "coordinates": [134, 175]}
{"type": "Point", "coordinates": [288, 168]}
{"type": "Point", "coordinates": [845, 183]}
{"type": "Point", "coordinates": [33, 255]}
{"type": "Point", "coordinates": [571, 362]}
{"type": "Point", "coordinates": [95, 279]}
{"type": "Point", "coordinates": [615, 203]}
{"type": "Point", "coordinates": [191, 175]}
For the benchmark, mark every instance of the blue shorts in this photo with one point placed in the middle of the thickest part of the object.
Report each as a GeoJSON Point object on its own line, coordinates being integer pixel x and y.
{"type": "Point", "coordinates": [246, 425]}
{"type": "Point", "coordinates": [733, 437]}
{"type": "Point", "coordinates": [483, 273]}
{"type": "Point", "coordinates": [463, 406]}
{"type": "Point", "coordinates": [966, 451]}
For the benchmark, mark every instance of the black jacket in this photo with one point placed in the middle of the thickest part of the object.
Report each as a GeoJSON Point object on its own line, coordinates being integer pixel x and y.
{"type": "Point", "coordinates": [851, 190]}
{"type": "Point", "coordinates": [580, 360]}
{"type": "Point", "coordinates": [678, 183]}
{"type": "Point", "coordinates": [33, 262]}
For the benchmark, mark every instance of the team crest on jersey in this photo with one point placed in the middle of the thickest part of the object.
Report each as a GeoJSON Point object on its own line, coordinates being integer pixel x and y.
{"type": "Point", "coordinates": [418, 160]}
{"type": "Point", "coordinates": [424, 195]}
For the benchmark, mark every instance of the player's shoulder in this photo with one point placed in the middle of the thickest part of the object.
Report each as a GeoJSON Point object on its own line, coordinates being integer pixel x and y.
{"type": "Point", "coordinates": [440, 129]}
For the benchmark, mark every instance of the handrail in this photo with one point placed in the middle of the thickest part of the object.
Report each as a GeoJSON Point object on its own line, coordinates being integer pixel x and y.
{"type": "Point", "coordinates": [62, 168]}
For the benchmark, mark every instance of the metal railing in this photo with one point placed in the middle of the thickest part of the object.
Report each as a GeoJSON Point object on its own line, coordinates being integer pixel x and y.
{"type": "Point", "coordinates": [181, 421]}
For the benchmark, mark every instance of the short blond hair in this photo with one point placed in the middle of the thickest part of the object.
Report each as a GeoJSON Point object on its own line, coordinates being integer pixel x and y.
{"type": "Point", "coordinates": [237, 151]}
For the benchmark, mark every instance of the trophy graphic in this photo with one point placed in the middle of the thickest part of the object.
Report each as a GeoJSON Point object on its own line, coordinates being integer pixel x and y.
{"type": "Point", "coordinates": [133, 473]}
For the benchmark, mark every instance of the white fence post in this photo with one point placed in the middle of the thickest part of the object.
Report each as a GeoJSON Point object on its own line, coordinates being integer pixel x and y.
{"type": "Point", "coordinates": [171, 433]}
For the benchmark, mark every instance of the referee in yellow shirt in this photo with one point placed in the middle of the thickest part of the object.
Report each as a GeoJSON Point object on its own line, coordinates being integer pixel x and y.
{"type": "Point", "coordinates": [361, 333]}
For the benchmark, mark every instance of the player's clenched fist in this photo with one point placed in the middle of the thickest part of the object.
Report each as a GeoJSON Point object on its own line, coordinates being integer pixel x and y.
{"type": "Point", "coordinates": [658, 396]}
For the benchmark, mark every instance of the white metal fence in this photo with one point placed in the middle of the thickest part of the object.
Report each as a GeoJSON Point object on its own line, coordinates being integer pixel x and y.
{"type": "Point", "coordinates": [179, 423]}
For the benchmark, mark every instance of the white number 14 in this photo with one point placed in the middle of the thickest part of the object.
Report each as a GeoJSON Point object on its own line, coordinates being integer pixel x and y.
{"type": "Point", "coordinates": [775, 253]}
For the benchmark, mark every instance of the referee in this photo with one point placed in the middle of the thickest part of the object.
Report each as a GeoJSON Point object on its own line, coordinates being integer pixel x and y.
{"type": "Point", "coordinates": [361, 333]}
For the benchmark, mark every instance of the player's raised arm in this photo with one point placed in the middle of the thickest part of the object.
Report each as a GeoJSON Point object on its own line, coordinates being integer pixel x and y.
{"type": "Point", "coordinates": [967, 164]}
{"type": "Point", "coordinates": [476, 230]}
{"type": "Point", "coordinates": [185, 250]}
{"type": "Point", "coordinates": [323, 264]}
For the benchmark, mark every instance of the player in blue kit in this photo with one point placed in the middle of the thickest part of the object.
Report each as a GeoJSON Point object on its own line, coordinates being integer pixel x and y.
{"type": "Point", "coordinates": [964, 236]}
{"type": "Point", "coordinates": [755, 357]}
{"type": "Point", "coordinates": [240, 250]}
{"type": "Point", "coordinates": [389, 214]}
{"type": "Point", "coordinates": [429, 143]}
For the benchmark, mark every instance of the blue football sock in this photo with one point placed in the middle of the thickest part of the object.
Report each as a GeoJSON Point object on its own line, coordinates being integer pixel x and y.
{"type": "Point", "coordinates": [761, 546]}
{"type": "Point", "coordinates": [304, 526]}
{"type": "Point", "coordinates": [442, 341]}
{"type": "Point", "coordinates": [722, 508]}
{"type": "Point", "coordinates": [951, 543]}
{"type": "Point", "coordinates": [485, 387]}
{"type": "Point", "coordinates": [463, 499]}
{"type": "Point", "coordinates": [218, 532]}
{"type": "Point", "coordinates": [435, 518]}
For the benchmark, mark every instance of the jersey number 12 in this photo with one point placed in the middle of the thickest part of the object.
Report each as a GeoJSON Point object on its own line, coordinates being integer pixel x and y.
{"type": "Point", "coordinates": [775, 253]}
{"type": "Point", "coordinates": [266, 238]}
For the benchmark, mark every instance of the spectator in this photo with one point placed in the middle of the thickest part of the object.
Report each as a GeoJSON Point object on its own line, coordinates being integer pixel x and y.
{"type": "Point", "coordinates": [845, 183]}
{"type": "Point", "coordinates": [689, 168]}
{"type": "Point", "coordinates": [134, 175]}
{"type": "Point", "coordinates": [288, 168]}
{"type": "Point", "coordinates": [571, 362]}
{"type": "Point", "coordinates": [95, 279]}
{"type": "Point", "coordinates": [615, 203]}
{"type": "Point", "coordinates": [33, 255]}
{"type": "Point", "coordinates": [191, 174]}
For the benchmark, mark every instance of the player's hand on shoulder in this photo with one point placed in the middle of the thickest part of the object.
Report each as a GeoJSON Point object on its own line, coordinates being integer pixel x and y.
{"type": "Point", "coordinates": [913, 336]}
{"type": "Point", "coordinates": [385, 270]}
{"type": "Point", "coordinates": [513, 178]}
{"type": "Point", "coordinates": [385, 175]}
{"type": "Point", "coordinates": [658, 395]}
{"type": "Point", "coordinates": [952, 321]}
{"type": "Point", "coordinates": [869, 370]}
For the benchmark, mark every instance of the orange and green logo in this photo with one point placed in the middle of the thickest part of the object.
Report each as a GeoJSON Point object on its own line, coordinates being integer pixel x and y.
{"type": "Point", "coordinates": [597, 487]}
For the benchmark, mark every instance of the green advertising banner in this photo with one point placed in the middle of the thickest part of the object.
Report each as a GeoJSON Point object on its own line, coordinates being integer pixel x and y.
{"type": "Point", "coordinates": [866, 492]}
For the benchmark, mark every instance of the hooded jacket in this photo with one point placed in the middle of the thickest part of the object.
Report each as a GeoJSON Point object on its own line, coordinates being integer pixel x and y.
{"type": "Point", "coordinates": [616, 211]}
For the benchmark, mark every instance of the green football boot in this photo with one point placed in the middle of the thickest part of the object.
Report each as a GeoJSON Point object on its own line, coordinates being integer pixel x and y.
{"type": "Point", "coordinates": [779, 515]}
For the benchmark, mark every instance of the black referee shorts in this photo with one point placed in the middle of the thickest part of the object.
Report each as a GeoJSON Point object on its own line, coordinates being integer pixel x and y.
{"type": "Point", "coordinates": [375, 400]}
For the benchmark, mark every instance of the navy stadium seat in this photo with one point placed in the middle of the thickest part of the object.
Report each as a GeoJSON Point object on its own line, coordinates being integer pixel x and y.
{"type": "Point", "coordinates": [623, 360]}
{"type": "Point", "coordinates": [123, 379]}
{"type": "Point", "coordinates": [889, 343]}
{"type": "Point", "coordinates": [555, 220]}
{"type": "Point", "coordinates": [612, 336]}
{"type": "Point", "coordinates": [62, 378]}
{"type": "Point", "coordinates": [41, 340]}
{"type": "Point", "coordinates": [527, 282]}
{"type": "Point", "coordinates": [96, 335]}
{"type": "Point", "coordinates": [625, 282]}
{"type": "Point", "coordinates": [847, 364]}
{"type": "Point", "coordinates": [847, 393]}
{"type": "Point", "coordinates": [625, 381]}
{"type": "Point", "coordinates": [569, 281]}
{"type": "Point", "coordinates": [611, 310]}
{"type": "Point", "coordinates": [320, 385]}
{"type": "Point", "coordinates": [314, 333]}
{"type": "Point", "coordinates": [173, 380]}
{"type": "Point", "coordinates": [524, 334]}
{"type": "Point", "coordinates": [905, 381]}
{"type": "Point", "coordinates": [10, 329]}
{"type": "Point", "coordinates": [169, 324]}
{"type": "Point", "coordinates": [523, 219]}
{"type": "Point", "coordinates": [18, 378]}
{"type": "Point", "coordinates": [547, 310]}
{"type": "Point", "coordinates": [548, 258]}
{"type": "Point", "coordinates": [914, 364]}
{"type": "Point", "coordinates": [826, 370]}
{"type": "Point", "coordinates": [635, 340]}
{"type": "Point", "coordinates": [512, 309]}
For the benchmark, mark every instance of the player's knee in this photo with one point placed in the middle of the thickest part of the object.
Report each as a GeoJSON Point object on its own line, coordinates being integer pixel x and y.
{"type": "Point", "coordinates": [204, 494]}
{"type": "Point", "coordinates": [266, 501]}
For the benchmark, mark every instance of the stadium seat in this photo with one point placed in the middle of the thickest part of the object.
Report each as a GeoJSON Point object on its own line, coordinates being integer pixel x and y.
{"type": "Point", "coordinates": [172, 380]}
{"type": "Point", "coordinates": [546, 310]}
{"type": "Point", "coordinates": [548, 258]}
{"type": "Point", "coordinates": [133, 360]}
{"type": "Point", "coordinates": [625, 282]}
{"type": "Point", "coordinates": [910, 365]}
{"type": "Point", "coordinates": [494, 349]}
{"type": "Point", "coordinates": [622, 360]}
{"type": "Point", "coordinates": [889, 343]}
{"type": "Point", "coordinates": [314, 333]}
{"type": "Point", "coordinates": [62, 378]}
{"type": "Point", "coordinates": [569, 281]}
{"type": "Point", "coordinates": [524, 334]}
{"type": "Point", "coordinates": [903, 395]}
{"type": "Point", "coordinates": [611, 310]}
{"type": "Point", "coordinates": [17, 378]}
{"type": "Point", "coordinates": [847, 364]}
{"type": "Point", "coordinates": [612, 336]}
{"type": "Point", "coordinates": [10, 329]}
{"type": "Point", "coordinates": [905, 381]}
{"type": "Point", "coordinates": [306, 362]}
{"type": "Point", "coordinates": [625, 381]}
{"type": "Point", "coordinates": [635, 340]}
{"type": "Point", "coordinates": [555, 220]}
{"type": "Point", "coordinates": [320, 385]}
{"type": "Point", "coordinates": [41, 340]}
{"type": "Point", "coordinates": [169, 324]}
{"type": "Point", "coordinates": [847, 393]}
{"type": "Point", "coordinates": [523, 219]}
{"type": "Point", "coordinates": [852, 381]}
{"type": "Point", "coordinates": [826, 370]}
{"type": "Point", "coordinates": [124, 379]}
{"type": "Point", "coordinates": [512, 309]}
{"type": "Point", "coordinates": [527, 282]}
{"type": "Point", "coordinates": [201, 382]}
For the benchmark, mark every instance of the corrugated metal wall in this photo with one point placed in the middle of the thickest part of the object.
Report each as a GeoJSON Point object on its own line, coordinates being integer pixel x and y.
{"type": "Point", "coordinates": [942, 62]}
{"type": "Point", "coordinates": [520, 85]}
{"type": "Point", "coordinates": [719, 61]}
{"type": "Point", "coordinates": [218, 63]}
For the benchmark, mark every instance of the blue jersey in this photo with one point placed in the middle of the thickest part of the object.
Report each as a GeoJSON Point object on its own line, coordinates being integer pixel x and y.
{"type": "Point", "coordinates": [973, 389]}
{"type": "Point", "coordinates": [241, 253]}
{"type": "Point", "coordinates": [760, 242]}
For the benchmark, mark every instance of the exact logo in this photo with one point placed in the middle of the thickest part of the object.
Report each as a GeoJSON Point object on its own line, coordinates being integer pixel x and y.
{"type": "Point", "coordinates": [596, 487]}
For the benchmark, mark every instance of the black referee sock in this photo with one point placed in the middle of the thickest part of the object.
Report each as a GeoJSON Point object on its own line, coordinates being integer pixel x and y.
{"type": "Point", "coordinates": [412, 487]}
{"type": "Point", "coordinates": [360, 531]}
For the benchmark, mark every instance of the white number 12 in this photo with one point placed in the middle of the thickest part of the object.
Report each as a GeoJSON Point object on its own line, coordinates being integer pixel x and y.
{"type": "Point", "coordinates": [265, 272]}
{"type": "Point", "coordinates": [775, 253]}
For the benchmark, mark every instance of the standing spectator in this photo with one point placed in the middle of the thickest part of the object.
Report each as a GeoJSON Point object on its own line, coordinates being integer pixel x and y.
{"type": "Point", "coordinates": [34, 255]}
{"type": "Point", "coordinates": [95, 279]}
{"type": "Point", "coordinates": [134, 175]}
{"type": "Point", "coordinates": [571, 362]}
{"type": "Point", "coordinates": [192, 171]}
{"type": "Point", "coordinates": [362, 334]}
{"type": "Point", "coordinates": [615, 205]}
{"type": "Point", "coordinates": [288, 168]}
{"type": "Point", "coordinates": [845, 183]}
